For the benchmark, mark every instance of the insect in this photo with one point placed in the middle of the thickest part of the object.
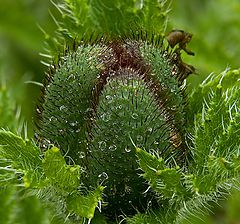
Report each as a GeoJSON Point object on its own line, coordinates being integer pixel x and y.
{"type": "Point", "coordinates": [180, 38]}
{"type": "Point", "coordinates": [185, 69]}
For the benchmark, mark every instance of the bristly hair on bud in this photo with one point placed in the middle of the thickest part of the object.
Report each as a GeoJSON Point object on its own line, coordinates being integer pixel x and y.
{"type": "Point", "coordinates": [103, 91]}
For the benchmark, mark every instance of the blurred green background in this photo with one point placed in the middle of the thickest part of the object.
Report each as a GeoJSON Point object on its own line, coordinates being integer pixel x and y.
{"type": "Point", "coordinates": [216, 43]}
{"type": "Point", "coordinates": [21, 41]}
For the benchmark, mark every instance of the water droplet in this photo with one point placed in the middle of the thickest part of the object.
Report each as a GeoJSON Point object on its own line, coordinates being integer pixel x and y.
{"type": "Point", "coordinates": [109, 98]}
{"type": "Point", "coordinates": [155, 142]}
{"type": "Point", "coordinates": [128, 189]}
{"type": "Point", "coordinates": [139, 138]}
{"type": "Point", "coordinates": [173, 108]}
{"type": "Point", "coordinates": [103, 176]}
{"type": "Point", "coordinates": [102, 145]}
{"type": "Point", "coordinates": [105, 117]}
{"type": "Point", "coordinates": [52, 119]}
{"type": "Point", "coordinates": [81, 155]}
{"type": "Point", "coordinates": [78, 130]}
{"type": "Point", "coordinates": [150, 130]}
{"type": "Point", "coordinates": [134, 116]}
{"type": "Point", "coordinates": [72, 76]}
{"type": "Point", "coordinates": [63, 107]}
{"type": "Point", "coordinates": [74, 123]}
{"type": "Point", "coordinates": [127, 149]}
{"type": "Point", "coordinates": [61, 131]}
{"type": "Point", "coordinates": [119, 107]}
{"type": "Point", "coordinates": [112, 148]}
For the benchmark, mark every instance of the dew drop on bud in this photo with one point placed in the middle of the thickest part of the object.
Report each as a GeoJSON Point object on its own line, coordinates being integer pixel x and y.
{"type": "Point", "coordinates": [150, 130]}
{"type": "Point", "coordinates": [103, 176]}
{"type": "Point", "coordinates": [63, 107]}
{"type": "Point", "coordinates": [139, 138]}
{"type": "Point", "coordinates": [127, 149]}
{"type": "Point", "coordinates": [112, 148]}
{"type": "Point", "coordinates": [102, 145]}
{"type": "Point", "coordinates": [81, 155]}
{"type": "Point", "coordinates": [109, 98]}
{"type": "Point", "coordinates": [134, 116]}
{"type": "Point", "coordinates": [74, 123]}
{"type": "Point", "coordinates": [105, 117]}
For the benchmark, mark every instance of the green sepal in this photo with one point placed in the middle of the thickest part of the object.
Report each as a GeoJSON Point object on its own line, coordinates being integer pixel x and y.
{"type": "Point", "coordinates": [60, 174]}
{"type": "Point", "coordinates": [164, 180]}
{"type": "Point", "coordinates": [226, 80]}
{"type": "Point", "coordinates": [218, 124]}
{"type": "Point", "coordinates": [24, 157]}
{"type": "Point", "coordinates": [84, 205]}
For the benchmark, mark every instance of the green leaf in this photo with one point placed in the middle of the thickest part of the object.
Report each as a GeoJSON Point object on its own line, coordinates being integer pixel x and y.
{"type": "Point", "coordinates": [223, 81]}
{"type": "Point", "coordinates": [219, 122]}
{"type": "Point", "coordinates": [90, 19]}
{"type": "Point", "coordinates": [24, 156]}
{"type": "Point", "coordinates": [60, 174]}
{"type": "Point", "coordinates": [166, 181]}
{"type": "Point", "coordinates": [85, 205]}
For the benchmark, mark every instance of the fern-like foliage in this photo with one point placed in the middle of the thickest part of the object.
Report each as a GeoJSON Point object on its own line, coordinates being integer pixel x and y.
{"type": "Point", "coordinates": [50, 178]}
{"type": "Point", "coordinates": [91, 19]}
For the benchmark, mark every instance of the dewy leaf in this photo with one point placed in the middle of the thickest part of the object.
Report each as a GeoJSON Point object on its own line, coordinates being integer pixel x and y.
{"type": "Point", "coordinates": [23, 154]}
{"type": "Point", "coordinates": [85, 205]}
{"type": "Point", "coordinates": [58, 172]}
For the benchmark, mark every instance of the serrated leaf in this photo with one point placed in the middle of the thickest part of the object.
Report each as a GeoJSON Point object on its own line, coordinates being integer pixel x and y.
{"type": "Point", "coordinates": [24, 156]}
{"type": "Point", "coordinates": [218, 123]}
{"type": "Point", "coordinates": [58, 172]}
{"type": "Point", "coordinates": [85, 205]}
{"type": "Point", "coordinates": [90, 19]}
{"type": "Point", "coordinates": [221, 82]}
{"type": "Point", "coordinates": [166, 181]}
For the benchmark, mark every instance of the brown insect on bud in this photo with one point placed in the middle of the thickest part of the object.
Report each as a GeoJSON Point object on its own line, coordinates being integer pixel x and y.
{"type": "Point", "coordinates": [184, 69]}
{"type": "Point", "coordinates": [180, 38]}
